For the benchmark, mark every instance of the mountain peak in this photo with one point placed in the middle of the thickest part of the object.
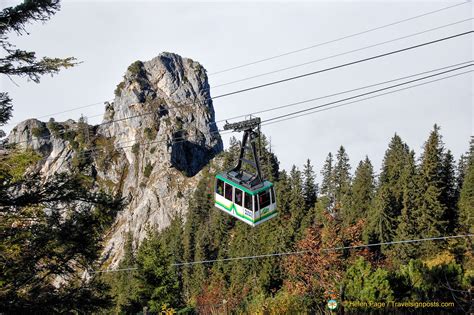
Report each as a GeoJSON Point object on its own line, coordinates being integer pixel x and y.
{"type": "Point", "coordinates": [154, 139]}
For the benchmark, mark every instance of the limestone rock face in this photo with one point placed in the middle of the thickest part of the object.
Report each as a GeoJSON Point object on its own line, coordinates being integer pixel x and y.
{"type": "Point", "coordinates": [154, 140]}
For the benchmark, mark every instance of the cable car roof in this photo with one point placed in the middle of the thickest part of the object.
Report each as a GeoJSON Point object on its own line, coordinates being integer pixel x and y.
{"type": "Point", "coordinates": [224, 177]}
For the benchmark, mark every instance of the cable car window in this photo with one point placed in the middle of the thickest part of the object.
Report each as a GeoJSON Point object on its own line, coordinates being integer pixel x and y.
{"type": "Point", "coordinates": [220, 187]}
{"type": "Point", "coordinates": [248, 201]}
{"type": "Point", "coordinates": [256, 203]}
{"type": "Point", "coordinates": [239, 196]}
{"type": "Point", "coordinates": [272, 192]}
{"type": "Point", "coordinates": [228, 192]}
{"type": "Point", "coordinates": [264, 199]}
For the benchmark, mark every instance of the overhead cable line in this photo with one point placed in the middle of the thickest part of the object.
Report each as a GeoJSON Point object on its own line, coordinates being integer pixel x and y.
{"type": "Point", "coordinates": [338, 39]}
{"type": "Point", "coordinates": [65, 111]}
{"type": "Point", "coordinates": [340, 54]}
{"type": "Point", "coordinates": [263, 74]}
{"type": "Point", "coordinates": [324, 250]}
{"type": "Point", "coordinates": [271, 72]}
{"type": "Point", "coordinates": [282, 106]}
{"type": "Point", "coordinates": [368, 93]}
{"type": "Point", "coordinates": [345, 64]}
{"type": "Point", "coordinates": [209, 261]}
{"type": "Point", "coordinates": [364, 99]}
{"type": "Point", "coordinates": [344, 92]}
{"type": "Point", "coordinates": [286, 117]}
{"type": "Point", "coordinates": [289, 78]}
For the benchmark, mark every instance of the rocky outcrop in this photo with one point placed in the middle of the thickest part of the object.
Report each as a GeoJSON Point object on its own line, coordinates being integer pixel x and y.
{"type": "Point", "coordinates": [155, 138]}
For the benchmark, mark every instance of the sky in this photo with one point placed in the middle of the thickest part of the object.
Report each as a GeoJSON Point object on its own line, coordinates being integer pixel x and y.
{"type": "Point", "coordinates": [107, 36]}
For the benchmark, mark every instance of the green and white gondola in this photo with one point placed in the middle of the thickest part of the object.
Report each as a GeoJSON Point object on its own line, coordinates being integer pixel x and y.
{"type": "Point", "coordinates": [239, 192]}
{"type": "Point", "coordinates": [250, 205]}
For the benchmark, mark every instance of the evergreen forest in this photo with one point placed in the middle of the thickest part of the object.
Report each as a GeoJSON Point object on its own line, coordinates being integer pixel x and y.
{"type": "Point", "coordinates": [411, 198]}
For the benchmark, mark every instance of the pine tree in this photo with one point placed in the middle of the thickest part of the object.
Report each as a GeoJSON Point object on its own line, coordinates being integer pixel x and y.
{"type": "Point", "coordinates": [460, 174]}
{"type": "Point", "coordinates": [342, 175]}
{"type": "Point", "coordinates": [39, 247]}
{"type": "Point", "coordinates": [388, 201]}
{"type": "Point", "coordinates": [327, 173]}
{"type": "Point", "coordinates": [363, 188]}
{"type": "Point", "coordinates": [124, 285]}
{"type": "Point", "coordinates": [310, 188]}
{"type": "Point", "coordinates": [449, 196]}
{"type": "Point", "coordinates": [342, 184]}
{"type": "Point", "coordinates": [172, 242]}
{"type": "Point", "coordinates": [285, 199]}
{"type": "Point", "coordinates": [362, 283]}
{"type": "Point", "coordinates": [432, 211]}
{"type": "Point", "coordinates": [466, 199]}
{"type": "Point", "coordinates": [158, 281]}
{"type": "Point", "coordinates": [231, 154]}
{"type": "Point", "coordinates": [268, 160]}
{"type": "Point", "coordinates": [16, 62]}
{"type": "Point", "coordinates": [310, 192]}
{"type": "Point", "coordinates": [202, 251]}
{"type": "Point", "coordinates": [407, 229]}
{"type": "Point", "coordinates": [198, 211]}
{"type": "Point", "coordinates": [326, 200]}
{"type": "Point", "coordinates": [297, 202]}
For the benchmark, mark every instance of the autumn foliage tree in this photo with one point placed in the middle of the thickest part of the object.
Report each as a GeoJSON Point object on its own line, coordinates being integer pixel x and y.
{"type": "Point", "coordinates": [318, 272]}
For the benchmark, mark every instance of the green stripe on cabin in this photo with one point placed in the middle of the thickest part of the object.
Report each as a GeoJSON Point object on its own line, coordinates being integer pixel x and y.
{"type": "Point", "coordinates": [232, 207]}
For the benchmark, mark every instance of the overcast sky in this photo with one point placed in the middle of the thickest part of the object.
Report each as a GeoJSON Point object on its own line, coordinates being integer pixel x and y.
{"type": "Point", "coordinates": [106, 36]}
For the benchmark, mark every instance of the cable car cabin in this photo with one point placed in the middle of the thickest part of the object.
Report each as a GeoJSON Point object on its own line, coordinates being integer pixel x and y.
{"type": "Point", "coordinates": [252, 205]}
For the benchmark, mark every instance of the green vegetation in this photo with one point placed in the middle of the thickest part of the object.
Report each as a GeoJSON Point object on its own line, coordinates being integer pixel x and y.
{"type": "Point", "coordinates": [68, 135]}
{"type": "Point", "coordinates": [14, 165]}
{"type": "Point", "coordinates": [106, 153]}
{"type": "Point", "coordinates": [23, 63]}
{"type": "Point", "coordinates": [50, 230]}
{"type": "Point", "coordinates": [136, 148]}
{"type": "Point", "coordinates": [411, 199]}
{"type": "Point", "coordinates": [119, 88]}
{"type": "Point", "coordinates": [198, 67]}
{"type": "Point", "coordinates": [135, 68]}
{"type": "Point", "coordinates": [147, 170]}
{"type": "Point", "coordinates": [367, 284]}
{"type": "Point", "coordinates": [179, 125]}
{"type": "Point", "coordinates": [53, 127]}
{"type": "Point", "coordinates": [38, 246]}
{"type": "Point", "coordinates": [39, 132]}
{"type": "Point", "coordinates": [150, 133]}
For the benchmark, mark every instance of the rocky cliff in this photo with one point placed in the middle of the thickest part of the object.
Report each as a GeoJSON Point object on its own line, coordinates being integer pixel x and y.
{"type": "Point", "coordinates": [155, 138]}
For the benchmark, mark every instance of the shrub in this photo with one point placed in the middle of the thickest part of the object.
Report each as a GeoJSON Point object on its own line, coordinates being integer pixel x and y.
{"type": "Point", "coordinates": [54, 127]}
{"type": "Point", "coordinates": [119, 88]}
{"type": "Point", "coordinates": [15, 164]}
{"type": "Point", "coordinates": [69, 135]}
{"type": "Point", "coordinates": [106, 151]}
{"type": "Point", "coordinates": [198, 67]}
{"type": "Point", "coordinates": [150, 133]}
{"type": "Point", "coordinates": [136, 148]}
{"type": "Point", "coordinates": [135, 68]}
{"type": "Point", "coordinates": [147, 170]}
{"type": "Point", "coordinates": [38, 131]}
{"type": "Point", "coordinates": [74, 145]}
